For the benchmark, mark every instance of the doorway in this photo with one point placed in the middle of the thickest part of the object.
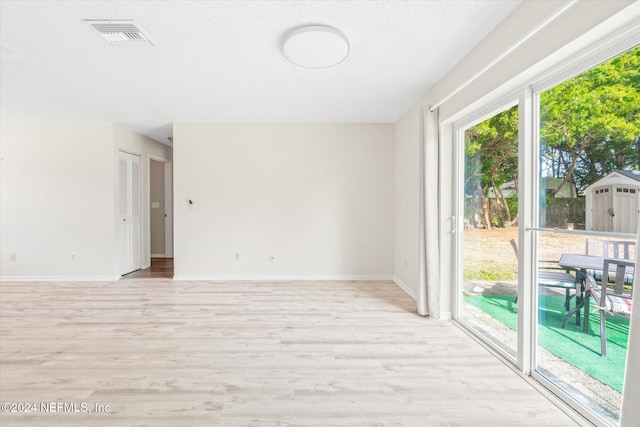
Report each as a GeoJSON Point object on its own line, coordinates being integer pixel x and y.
{"type": "Point", "coordinates": [157, 214]}
{"type": "Point", "coordinates": [160, 220]}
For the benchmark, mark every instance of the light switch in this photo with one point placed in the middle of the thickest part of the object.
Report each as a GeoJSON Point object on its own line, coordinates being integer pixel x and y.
{"type": "Point", "coordinates": [155, 205]}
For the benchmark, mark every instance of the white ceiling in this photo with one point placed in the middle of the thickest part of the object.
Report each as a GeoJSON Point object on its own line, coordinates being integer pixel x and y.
{"type": "Point", "coordinates": [222, 61]}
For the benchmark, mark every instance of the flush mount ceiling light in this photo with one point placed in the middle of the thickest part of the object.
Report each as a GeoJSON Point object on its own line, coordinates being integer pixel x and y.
{"type": "Point", "coordinates": [316, 46]}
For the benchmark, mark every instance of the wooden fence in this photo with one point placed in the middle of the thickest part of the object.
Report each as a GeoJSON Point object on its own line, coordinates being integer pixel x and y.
{"type": "Point", "coordinates": [556, 213]}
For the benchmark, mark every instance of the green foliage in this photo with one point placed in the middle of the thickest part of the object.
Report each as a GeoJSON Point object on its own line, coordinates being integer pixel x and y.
{"type": "Point", "coordinates": [591, 123]}
{"type": "Point", "coordinates": [493, 147]}
{"type": "Point", "coordinates": [590, 126]}
{"type": "Point", "coordinates": [495, 141]}
{"type": "Point", "coordinates": [512, 202]}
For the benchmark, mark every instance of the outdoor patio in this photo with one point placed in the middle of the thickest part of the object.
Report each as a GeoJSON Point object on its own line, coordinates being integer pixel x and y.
{"type": "Point", "coordinates": [568, 356]}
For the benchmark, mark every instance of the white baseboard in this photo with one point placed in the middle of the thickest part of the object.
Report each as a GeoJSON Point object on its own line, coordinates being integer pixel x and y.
{"type": "Point", "coordinates": [405, 288]}
{"type": "Point", "coordinates": [59, 278]}
{"type": "Point", "coordinates": [158, 256]}
{"type": "Point", "coordinates": [260, 278]}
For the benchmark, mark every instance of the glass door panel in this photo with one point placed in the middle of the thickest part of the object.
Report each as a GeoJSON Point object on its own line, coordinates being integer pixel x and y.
{"type": "Point", "coordinates": [488, 291]}
{"type": "Point", "coordinates": [588, 192]}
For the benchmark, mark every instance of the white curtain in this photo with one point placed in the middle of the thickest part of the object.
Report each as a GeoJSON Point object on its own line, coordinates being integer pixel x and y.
{"type": "Point", "coordinates": [631, 391]}
{"type": "Point", "coordinates": [428, 301]}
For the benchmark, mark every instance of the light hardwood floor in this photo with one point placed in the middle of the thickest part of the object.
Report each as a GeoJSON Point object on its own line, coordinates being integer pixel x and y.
{"type": "Point", "coordinates": [164, 353]}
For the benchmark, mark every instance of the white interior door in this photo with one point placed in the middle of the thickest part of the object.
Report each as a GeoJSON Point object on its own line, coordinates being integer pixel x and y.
{"type": "Point", "coordinates": [129, 177]}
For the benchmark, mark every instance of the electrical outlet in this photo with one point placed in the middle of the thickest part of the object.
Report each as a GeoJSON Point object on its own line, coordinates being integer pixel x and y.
{"type": "Point", "coordinates": [73, 257]}
{"type": "Point", "coordinates": [12, 257]}
{"type": "Point", "coordinates": [237, 256]}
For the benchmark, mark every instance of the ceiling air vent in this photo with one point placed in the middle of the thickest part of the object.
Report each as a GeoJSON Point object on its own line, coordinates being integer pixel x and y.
{"type": "Point", "coordinates": [121, 32]}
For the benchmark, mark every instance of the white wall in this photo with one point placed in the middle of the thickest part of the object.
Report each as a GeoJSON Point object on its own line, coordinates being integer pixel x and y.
{"type": "Point", "coordinates": [317, 197]}
{"type": "Point", "coordinates": [407, 207]}
{"type": "Point", "coordinates": [578, 27]}
{"type": "Point", "coordinates": [146, 148]}
{"type": "Point", "coordinates": [56, 200]}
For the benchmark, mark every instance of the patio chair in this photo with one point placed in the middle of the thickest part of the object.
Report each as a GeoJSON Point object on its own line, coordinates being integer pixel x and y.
{"type": "Point", "coordinates": [553, 276]}
{"type": "Point", "coordinates": [619, 249]}
{"type": "Point", "coordinates": [613, 300]}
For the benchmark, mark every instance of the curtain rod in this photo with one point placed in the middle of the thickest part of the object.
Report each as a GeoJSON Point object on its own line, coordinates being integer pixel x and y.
{"type": "Point", "coordinates": [513, 47]}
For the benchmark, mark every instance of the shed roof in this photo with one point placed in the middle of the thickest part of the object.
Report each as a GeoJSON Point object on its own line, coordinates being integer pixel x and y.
{"type": "Point", "coordinates": [619, 174]}
{"type": "Point", "coordinates": [631, 174]}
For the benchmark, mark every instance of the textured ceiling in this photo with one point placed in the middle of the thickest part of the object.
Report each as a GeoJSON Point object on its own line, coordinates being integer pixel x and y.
{"type": "Point", "coordinates": [222, 61]}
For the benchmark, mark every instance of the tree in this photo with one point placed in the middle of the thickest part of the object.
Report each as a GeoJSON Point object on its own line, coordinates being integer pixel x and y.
{"type": "Point", "coordinates": [493, 144]}
{"type": "Point", "coordinates": [591, 123]}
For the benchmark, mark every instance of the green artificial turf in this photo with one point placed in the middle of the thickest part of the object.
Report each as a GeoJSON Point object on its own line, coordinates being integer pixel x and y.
{"type": "Point", "coordinates": [572, 344]}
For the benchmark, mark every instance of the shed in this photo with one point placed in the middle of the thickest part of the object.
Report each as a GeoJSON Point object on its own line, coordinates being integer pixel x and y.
{"type": "Point", "coordinates": [613, 203]}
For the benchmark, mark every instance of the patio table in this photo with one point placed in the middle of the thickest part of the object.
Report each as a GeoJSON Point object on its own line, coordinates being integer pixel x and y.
{"type": "Point", "coordinates": [580, 263]}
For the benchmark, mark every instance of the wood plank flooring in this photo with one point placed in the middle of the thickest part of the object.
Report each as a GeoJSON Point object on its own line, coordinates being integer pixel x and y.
{"type": "Point", "coordinates": [161, 268]}
{"type": "Point", "coordinates": [162, 353]}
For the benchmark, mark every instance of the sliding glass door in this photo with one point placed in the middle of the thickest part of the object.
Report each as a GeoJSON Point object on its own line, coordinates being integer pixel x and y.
{"type": "Point", "coordinates": [548, 195]}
